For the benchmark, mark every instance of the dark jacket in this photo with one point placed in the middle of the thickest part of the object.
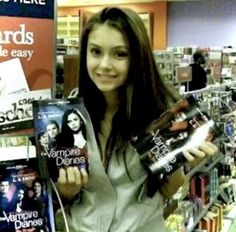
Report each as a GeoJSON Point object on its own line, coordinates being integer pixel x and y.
{"type": "Point", "coordinates": [199, 78]}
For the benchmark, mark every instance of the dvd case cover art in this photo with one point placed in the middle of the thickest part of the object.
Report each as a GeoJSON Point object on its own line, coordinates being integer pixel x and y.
{"type": "Point", "coordinates": [25, 197]}
{"type": "Point", "coordinates": [161, 148]}
{"type": "Point", "coordinates": [16, 111]}
{"type": "Point", "coordinates": [60, 134]}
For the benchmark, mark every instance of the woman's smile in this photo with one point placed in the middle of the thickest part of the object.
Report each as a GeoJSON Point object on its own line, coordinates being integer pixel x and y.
{"type": "Point", "coordinates": [106, 76]}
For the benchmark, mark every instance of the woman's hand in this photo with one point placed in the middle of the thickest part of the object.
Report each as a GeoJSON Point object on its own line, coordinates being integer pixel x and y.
{"type": "Point", "coordinates": [71, 180]}
{"type": "Point", "coordinates": [205, 149]}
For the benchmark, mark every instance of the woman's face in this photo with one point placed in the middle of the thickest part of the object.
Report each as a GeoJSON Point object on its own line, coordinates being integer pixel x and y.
{"type": "Point", "coordinates": [108, 58]}
{"type": "Point", "coordinates": [20, 194]}
{"type": "Point", "coordinates": [73, 121]}
{"type": "Point", "coordinates": [37, 188]}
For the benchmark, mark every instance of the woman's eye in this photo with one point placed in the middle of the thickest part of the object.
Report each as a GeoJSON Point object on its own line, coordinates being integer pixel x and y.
{"type": "Point", "coordinates": [121, 54]}
{"type": "Point", "coordinates": [95, 51]}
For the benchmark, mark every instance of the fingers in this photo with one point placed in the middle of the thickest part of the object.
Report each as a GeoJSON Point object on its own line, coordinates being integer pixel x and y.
{"type": "Point", "coordinates": [208, 148]}
{"type": "Point", "coordinates": [205, 149]}
{"type": "Point", "coordinates": [188, 156]}
{"type": "Point", "coordinates": [73, 175]}
{"type": "Point", "coordinates": [197, 152]}
{"type": "Point", "coordinates": [62, 176]}
{"type": "Point", "coordinates": [71, 180]}
{"type": "Point", "coordinates": [84, 175]}
{"type": "Point", "coordinates": [77, 176]}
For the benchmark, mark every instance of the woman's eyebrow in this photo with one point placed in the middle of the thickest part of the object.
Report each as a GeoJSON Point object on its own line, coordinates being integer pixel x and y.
{"type": "Point", "coordinates": [115, 47]}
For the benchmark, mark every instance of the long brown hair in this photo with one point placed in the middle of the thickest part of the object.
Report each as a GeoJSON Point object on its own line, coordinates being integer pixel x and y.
{"type": "Point", "coordinates": [144, 95]}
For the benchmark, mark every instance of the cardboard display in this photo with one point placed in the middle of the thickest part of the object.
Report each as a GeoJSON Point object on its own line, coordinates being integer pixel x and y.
{"type": "Point", "coordinates": [27, 33]}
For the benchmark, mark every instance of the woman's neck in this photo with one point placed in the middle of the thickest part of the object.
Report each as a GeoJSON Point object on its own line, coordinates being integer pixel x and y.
{"type": "Point", "coordinates": [112, 102]}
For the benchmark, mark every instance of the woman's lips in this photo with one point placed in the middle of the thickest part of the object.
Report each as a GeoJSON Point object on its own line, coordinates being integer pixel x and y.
{"type": "Point", "coordinates": [106, 76]}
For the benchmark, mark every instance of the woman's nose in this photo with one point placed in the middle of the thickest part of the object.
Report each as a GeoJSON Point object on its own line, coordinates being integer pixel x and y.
{"type": "Point", "coordinates": [106, 62]}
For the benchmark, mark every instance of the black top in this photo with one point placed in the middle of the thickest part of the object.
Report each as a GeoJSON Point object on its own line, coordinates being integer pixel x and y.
{"type": "Point", "coordinates": [199, 78]}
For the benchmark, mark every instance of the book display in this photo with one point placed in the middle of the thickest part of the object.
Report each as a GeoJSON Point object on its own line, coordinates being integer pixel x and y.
{"type": "Point", "coordinates": [44, 131]}
{"type": "Point", "coordinates": [25, 203]}
{"type": "Point", "coordinates": [220, 65]}
{"type": "Point", "coordinates": [164, 62]}
{"type": "Point", "coordinates": [206, 198]}
{"type": "Point", "coordinates": [68, 34]}
{"type": "Point", "coordinates": [26, 75]}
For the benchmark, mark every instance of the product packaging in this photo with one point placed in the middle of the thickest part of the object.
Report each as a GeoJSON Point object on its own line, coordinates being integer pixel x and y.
{"type": "Point", "coordinates": [60, 135]}
{"type": "Point", "coordinates": [25, 197]}
{"type": "Point", "coordinates": [161, 148]}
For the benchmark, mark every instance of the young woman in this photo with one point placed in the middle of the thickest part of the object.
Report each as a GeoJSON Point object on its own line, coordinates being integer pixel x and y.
{"type": "Point", "coordinates": [123, 93]}
{"type": "Point", "coordinates": [72, 130]}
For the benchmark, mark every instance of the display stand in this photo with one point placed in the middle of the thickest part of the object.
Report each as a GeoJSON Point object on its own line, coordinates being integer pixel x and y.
{"type": "Point", "coordinates": [226, 110]}
{"type": "Point", "coordinates": [31, 24]}
{"type": "Point", "coordinates": [27, 53]}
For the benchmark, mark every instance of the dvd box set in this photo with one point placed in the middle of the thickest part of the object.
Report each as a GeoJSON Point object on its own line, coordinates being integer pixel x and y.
{"type": "Point", "coordinates": [161, 148]}
{"type": "Point", "coordinates": [25, 197]}
{"type": "Point", "coordinates": [60, 134]}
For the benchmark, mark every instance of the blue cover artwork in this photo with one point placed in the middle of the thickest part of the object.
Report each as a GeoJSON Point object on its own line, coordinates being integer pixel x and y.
{"type": "Point", "coordinates": [60, 133]}
{"type": "Point", "coordinates": [24, 198]}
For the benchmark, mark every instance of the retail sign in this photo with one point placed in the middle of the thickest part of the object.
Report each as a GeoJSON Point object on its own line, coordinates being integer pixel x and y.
{"type": "Point", "coordinates": [27, 8]}
{"type": "Point", "coordinates": [27, 32]}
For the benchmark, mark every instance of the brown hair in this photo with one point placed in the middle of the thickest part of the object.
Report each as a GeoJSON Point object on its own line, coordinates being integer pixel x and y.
{"type": "Point", "coordinates": [144, 95]}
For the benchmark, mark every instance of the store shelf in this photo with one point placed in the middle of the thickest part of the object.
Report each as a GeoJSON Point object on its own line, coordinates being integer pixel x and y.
{"type": "Point", "coordinates": [204, 211]}
{"type": "Point", "coordinates": [68, 28]}
{"type": "Point", "coordinates": [203, 167]}
{"type": "Point", "coordinates": [67, 45]}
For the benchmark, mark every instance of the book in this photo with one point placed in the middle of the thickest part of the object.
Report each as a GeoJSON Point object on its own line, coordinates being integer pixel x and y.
{"type": "Point", "coordinates": [16, 111]}
{"type": "Point", "coordinates": [60, 134]}
{"type": "Point", "coordinates": [161, 148]}
{"type": "Point", "coordinates": [25, 197]}
{"type": "Point", "coordinates": [12, 78]}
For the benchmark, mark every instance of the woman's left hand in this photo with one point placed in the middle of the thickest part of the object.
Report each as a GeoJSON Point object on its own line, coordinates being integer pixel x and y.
{"type": "Point", "coordinates": [205, 149]}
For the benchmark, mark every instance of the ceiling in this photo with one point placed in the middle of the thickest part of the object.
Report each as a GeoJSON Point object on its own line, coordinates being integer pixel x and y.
{"type": "Point", "coordinates": [106, 2]}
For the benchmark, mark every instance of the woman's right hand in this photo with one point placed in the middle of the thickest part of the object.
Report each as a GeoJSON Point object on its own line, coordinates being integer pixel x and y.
{"type": "Point", "coordinates": [70, 181]}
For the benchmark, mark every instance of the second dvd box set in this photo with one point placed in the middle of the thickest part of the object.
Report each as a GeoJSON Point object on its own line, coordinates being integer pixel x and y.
{"type": "Point", "coordinates": [182, 127]}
